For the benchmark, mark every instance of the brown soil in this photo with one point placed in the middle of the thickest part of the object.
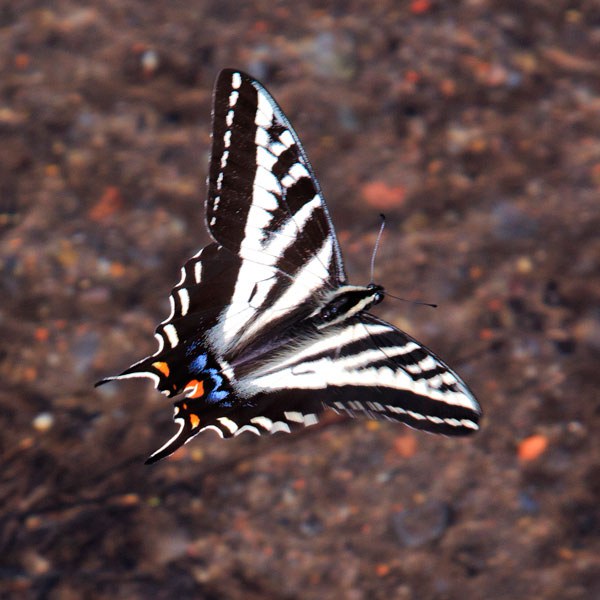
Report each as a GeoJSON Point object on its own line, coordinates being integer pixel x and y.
{"type": "Point", "coordinates": [475, 126]}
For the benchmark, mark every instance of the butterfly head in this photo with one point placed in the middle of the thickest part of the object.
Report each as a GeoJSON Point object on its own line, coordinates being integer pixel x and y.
{"type": "Point", "coordinates": [377, 292]}
{"type": "Point", "coordinates": [346, 302]}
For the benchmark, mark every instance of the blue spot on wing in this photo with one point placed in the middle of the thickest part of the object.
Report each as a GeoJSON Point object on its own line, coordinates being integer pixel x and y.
{"type": "Point", "coordinates": [218, 397]}
{"type": "Point", "coordinates": [216, 394]}
{"type": "Point", "coordinates": [198, 367]}
{"type": "Point", "coordinates": [198, 364]}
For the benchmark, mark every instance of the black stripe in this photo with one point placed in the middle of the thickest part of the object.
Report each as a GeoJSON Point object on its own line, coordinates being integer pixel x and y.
{"type": "Point", "coordinates": [299, 193]}
{"type": "Point", "coordinates": [207, 298]}
{"type": "Point", "coordinates": [286, 159]}
{"type": "Point", "coordinates": [240, 168]}
{"type": "Point", "coordinates": [406, 400]}
{"type": "Point", "coordinates": [309, 241]}
{"type": "Point", "coordinates": [275, 131]}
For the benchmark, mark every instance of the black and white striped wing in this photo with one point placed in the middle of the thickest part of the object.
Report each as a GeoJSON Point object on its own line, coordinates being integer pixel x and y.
{"type": "Point", "coordinates": [184, 363]}
{"type": "Point", "coordinates": [371, 369]}
{"type": "Point", "coordinates": [264, 201]}
{"type": "Point", "coordinates": [204, 289]}
{"type": "Point", "coordinates": [363, 368]}
{"type": "Point", "coordinates": [264, 205]}
{"type": "Point", "coordinates": [232, 417]}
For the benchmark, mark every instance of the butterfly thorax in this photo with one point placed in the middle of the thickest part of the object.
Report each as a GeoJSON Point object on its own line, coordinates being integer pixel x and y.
{"type": "Point", "coordinates": [345, 302]}
{"type": "Point", "coordinates": [336, 307]}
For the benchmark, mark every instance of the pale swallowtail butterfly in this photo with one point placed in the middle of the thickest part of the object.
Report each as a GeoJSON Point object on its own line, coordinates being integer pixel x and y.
{"type": "Point", "coordinates": [265, 331]}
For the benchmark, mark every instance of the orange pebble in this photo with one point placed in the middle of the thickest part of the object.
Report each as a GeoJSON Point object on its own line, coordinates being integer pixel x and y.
{"type": "Point", "coordinates": [412, 76]}
{"type": "Point", "coordinates": [383, 196]}
{"type": "Point", "coordinates": [495, 304]}
{"type": "Point", "coordinates": [128, 500]}
{"type": "Point", "coordinates": [475, 272]}
{"type": "Point", "coordinates": [26, 443]}
{"type": "Point", "coordinates": [117, 269]}
{"type": "Point", "coordinates": [51, 170]}
{"type": "Point", "coordinates": [260, 27]}
{"type": "Point", "coordinates": [406, 445]}
{"type": "Point", "coordinates": [110, 202]}
{"type": "Point", "coordinates": [486, 334]}
{"type": "Point", "coordinates": [22, 60]}
{"type": "Point", "coordinates": [532, 447]}
{"type": "Point", "coordinates": [448, 87]}
{"type": "Point", "coordinates": [42, 334]}
{"type": "Point", "coordinates": [382, 570]}
{"type": "Point", "coordinates": [30, 374]}
{"type": "Point", "coordinates": [419, 7]}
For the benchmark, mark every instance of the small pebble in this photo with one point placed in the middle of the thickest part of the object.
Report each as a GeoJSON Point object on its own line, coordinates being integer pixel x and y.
{"type": "Point", "coordinates": [425, 523]}
{"type": "Point", "coordinates": [150, 61]}
{"type": "Point", "coordinates": [524, 265]}
{"type": "Point", "coordinates": [532, 447]}
{"type": "Point", "coordinates": [43, 422]}
{"type": "Point", "coordinates": [528, 504]}
{"type": "Point", "coordinates": [311, 526]}
{"type": "Point", "coordinates": [510, 223]}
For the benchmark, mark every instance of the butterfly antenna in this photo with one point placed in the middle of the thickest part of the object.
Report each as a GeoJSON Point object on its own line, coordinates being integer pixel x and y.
{"type": "Point", "coordinates": [411, 301]}
{"type": "Point", "coordinates": [381, 228]}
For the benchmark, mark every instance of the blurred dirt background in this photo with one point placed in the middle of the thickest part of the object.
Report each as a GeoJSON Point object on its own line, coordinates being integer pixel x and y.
{"type": "Point", "coordinates": [475, 126]}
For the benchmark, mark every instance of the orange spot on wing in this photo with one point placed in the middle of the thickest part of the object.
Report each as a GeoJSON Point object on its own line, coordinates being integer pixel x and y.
{"type": "Point", "coordinates": [163, 367]}
{"type": "Point", "coordinates": [194, 420]}
{"type": "Point", "coordinates": [199, 385]}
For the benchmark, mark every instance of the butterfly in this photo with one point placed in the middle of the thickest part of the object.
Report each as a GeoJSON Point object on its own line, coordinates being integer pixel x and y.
{"type": "Point", "coordinates": [265, 332]}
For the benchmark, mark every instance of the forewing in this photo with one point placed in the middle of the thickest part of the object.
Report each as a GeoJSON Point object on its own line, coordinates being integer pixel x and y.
{"type": "Point", "coordinates": [264, 201]}
{"type": "Point", "coordinates": [264, 205]}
